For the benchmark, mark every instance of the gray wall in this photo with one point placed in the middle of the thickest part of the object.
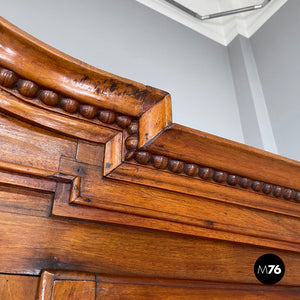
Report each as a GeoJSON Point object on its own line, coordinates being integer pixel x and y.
{"type": "Point", "coordinates": [249, 122]}
{"type": "Point", "coordinates": [276, 48]}
{"type": "Point", "coordinates": [254, 113]}
{"type": "Point", "coordinates": [133, 41]}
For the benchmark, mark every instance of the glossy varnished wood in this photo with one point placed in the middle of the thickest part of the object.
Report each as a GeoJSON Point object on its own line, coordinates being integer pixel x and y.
{"type": "Point", "coordinates": [14, 287]}
{"type": "Point", "coordinates": [186, 144]}
{"type": "Point", "coordinates": [15, 200]}
{"type": "Point", "coordinates": [76, 285]}
{"type": "Point", "coordinates": [55, 122]}
{"type": "Point", "coordinates": [97, 184]}
{"type": "Point", "coordinates": [24, 144]}
{"type": "Point", "coordinates": [210, 189]}
{"type": "Point", "coordinates": [109, 213]}
{"type": "Point", "coordinates": [40, 243]}
{"type": "Point", "coordinates": [154, 121]}
{"type": "Point", "coordinates": [66, 285]}
{"type": "Point", "coordinates": [48, 67]}
{"type": "Point", "coordinates": [148, 288]}
{"type": "Point", "coordinates": [158, 204]}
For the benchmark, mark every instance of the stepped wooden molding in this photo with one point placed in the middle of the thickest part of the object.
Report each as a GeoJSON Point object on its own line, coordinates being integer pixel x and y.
{"type": "Point", "coordinates": [210, 174]}
{"type": "Point", "coordinates": [30, 91]}
{"type": "Point", "coordinates": [175, 166]}
{"type": "Point", "coordinates": [95, 177]}
{"type": "Point", "coordinates": [101, 286]}
{"type": "Point", "coordinates": [133, 123]}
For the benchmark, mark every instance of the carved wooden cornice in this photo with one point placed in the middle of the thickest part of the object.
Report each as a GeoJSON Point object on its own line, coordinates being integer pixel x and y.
{"type": "Point", "coordinates": [163, 162]}
{"type": "Point", "coordinates": [143, 147]}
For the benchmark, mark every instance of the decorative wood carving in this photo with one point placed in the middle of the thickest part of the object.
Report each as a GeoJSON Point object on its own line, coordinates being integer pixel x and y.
{"type": "Point", "coordinates": [10, 82]}
{"type": "Point", "coordinates": [30, 91]}
{"type": "Point", "coordinates": [207, 173]}
{"type": "Point", "coordinates": [204, 172]}
{"type": "Point", "coordinates": [94, 159]}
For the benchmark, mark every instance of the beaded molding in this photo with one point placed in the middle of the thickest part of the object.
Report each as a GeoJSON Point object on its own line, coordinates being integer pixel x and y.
{"type": "Point", "coordinates": [203, 172]}
{"type": "Point", "coordinates": [29, 89]}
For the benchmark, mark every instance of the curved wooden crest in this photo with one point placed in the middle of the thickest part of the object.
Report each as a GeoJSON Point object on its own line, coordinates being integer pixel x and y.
{"type": "Point", "coordinates": [153, 173]}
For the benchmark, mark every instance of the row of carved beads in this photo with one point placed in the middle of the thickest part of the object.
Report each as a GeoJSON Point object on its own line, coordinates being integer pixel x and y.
{"type": "Point", "coordinates": [205, 173]}
{"type": "Point", "coordinates": [132, 141]}
{"type": "Point", "coordinates": [210, 174]}
{"type": "Point", "coordinates": [29, 89]}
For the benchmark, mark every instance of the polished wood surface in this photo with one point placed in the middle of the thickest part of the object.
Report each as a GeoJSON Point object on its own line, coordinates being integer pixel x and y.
{"type": "Point", "coordinates": [149, 288]}
{"type": "Point", "coordinates": [103, 197]}
{"type": "Point", "coordinates": [18, 287]}
{"type": "Point", "coordinates": [76, 285]}
{"type": "Point", "coordinates": [66, 285]}
{"type": "Point", "coordinates": [47, 67]}
{"type": "Point", "coordinates": [226, 155]}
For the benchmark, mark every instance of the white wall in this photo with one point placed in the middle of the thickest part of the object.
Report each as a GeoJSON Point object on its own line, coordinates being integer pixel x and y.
{"type": "Point", "coordinates": [133, 41]}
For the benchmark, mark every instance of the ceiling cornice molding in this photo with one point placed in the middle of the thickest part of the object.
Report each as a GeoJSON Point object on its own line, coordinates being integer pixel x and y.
{"type": "Point", "coordinates": [222, 30]}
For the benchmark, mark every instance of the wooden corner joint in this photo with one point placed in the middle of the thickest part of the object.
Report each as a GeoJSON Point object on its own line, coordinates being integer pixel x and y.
{"type": "Point", "coordinates": [143, 131]}
{"type": "Point", "coordinates": [63, 178]}
{"type": "Point", "coordinates": [48, 277]}
{"type": "Point", "coordinates": [130, 115]}
{"type": "Point", "coordinates": [139, 132]}
{"type": "Point", "coordinates": [75, 196]}
{"type": "Point", "coordinates": [75, 189]}
{"type": "Point", "coordinates": [132, 135]}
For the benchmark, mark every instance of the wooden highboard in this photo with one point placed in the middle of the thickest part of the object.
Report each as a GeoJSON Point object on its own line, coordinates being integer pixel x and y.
{"type": "Point", "coordinates": [103, 197]}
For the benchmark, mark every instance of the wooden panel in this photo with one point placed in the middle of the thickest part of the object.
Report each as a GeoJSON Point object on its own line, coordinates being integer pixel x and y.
{"type": "Point", "coordinates": [62, 208]}
{"type": "Point", "coordinates": [113, 287]}
{"type": "Point", "coordinates": [14, 287]}
{"type": "Point", "coordinates": [166, 205]}
{"type": "Point", "coordinates": [111, 291]}
{"type": "Point", "coordinates": [22, 201]}
{"type": "Point", "coordinates": [25, 181]}
{"type": "Point", "coordinates": [89, 153]}
{"type": "Point", "coordinates": [58, 285]}
{"type": "Point", "coordinates": [29, 145]}
{"type": "Point", "coordinates": [73, 290]}
{"type": "Point", "coordinates": [31, 244]}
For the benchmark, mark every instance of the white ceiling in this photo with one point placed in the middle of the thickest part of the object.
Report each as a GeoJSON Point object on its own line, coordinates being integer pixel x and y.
{"type": "Point", "coordinates": [224, 29]}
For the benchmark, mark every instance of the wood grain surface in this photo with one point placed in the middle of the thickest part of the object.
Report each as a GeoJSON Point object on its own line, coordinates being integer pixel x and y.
{"type": "Point", "coordinates": [48, 67]}
{"type": "Point", "coordinates": [76, 285]}
{"type": "Point", "coordinates": [102, 197]}
{"type": "Point", "coordinates": [30, 244]}
{"type": "Point", "coordinates": [186, 144]}
{"type": "Point", "coordinates": [16, 287]}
